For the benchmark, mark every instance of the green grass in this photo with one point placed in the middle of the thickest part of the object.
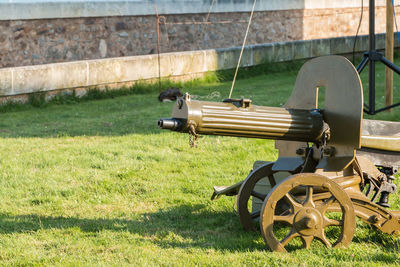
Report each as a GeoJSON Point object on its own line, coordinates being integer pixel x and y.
{"type": "Point", "coordinates": [96, 183]}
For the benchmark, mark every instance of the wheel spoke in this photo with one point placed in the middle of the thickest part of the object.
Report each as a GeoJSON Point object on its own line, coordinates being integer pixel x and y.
{"type": "Point", "coordinates": [324, 206]}
{"type": "Point", "coordinates": [272, 181]}
{"type": "Point", "coordinates": [285, 213]}
{"type": "Point", "coordinates": [308, 202]}
{"type": "Point", "coordinates": [255, 214]}
{"type": "Point", "coordinates": [332, 222]}
{"type": "Point", "coordinates": [260, 196]}
{"type": "Point", "coordinates": [292, 234]}
{"type": "Point", "coordinates": [286, 219]}
{"type": "Point", "coordinates": [323, 239]}
{"type": "Point", "coordinates": [295, 205]}
{"type": "Point", "coordinates": [307, 241]}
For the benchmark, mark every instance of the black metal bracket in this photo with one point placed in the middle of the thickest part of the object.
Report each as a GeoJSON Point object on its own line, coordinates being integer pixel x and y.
{"type": "Point", "coordinates": [238, 102]}
{"type": "Point", "coordinates": [371, 57]}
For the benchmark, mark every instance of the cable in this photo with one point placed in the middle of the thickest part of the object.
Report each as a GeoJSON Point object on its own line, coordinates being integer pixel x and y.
{"type": "Point", "coordinates": [395, 22]}
{"type": "Point", "coordinates": [209, 11]}
{"type": "Point", "coordinates": [158, 47]}
{"type": "Point", "coordinates": [241, 51]}
{"type": "Point", "coordinates": [358, 29]}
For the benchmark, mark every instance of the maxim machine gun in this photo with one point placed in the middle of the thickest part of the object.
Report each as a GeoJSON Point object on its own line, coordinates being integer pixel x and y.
{"type": "Point", "coordinates": [332, 165]}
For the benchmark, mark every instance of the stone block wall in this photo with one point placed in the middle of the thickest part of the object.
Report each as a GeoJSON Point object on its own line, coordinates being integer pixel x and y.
{"type": "Point", "coordinates": [51, 40]}
{"type": "Point", "coordinates": [17, 82]}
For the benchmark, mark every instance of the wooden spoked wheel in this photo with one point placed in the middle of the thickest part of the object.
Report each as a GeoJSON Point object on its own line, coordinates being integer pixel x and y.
{"type": "Point", "coordinates": [306, 219]}
{"type": "Point", "coordinates": [248, 190]}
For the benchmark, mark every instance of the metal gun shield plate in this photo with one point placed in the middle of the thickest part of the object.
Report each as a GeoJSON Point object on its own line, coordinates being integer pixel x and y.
{"type": "Point", "coordinates": [342, 109]}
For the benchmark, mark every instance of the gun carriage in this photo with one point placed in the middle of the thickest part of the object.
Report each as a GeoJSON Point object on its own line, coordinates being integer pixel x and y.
{"type": "Point", "coordinates": [333, 166]}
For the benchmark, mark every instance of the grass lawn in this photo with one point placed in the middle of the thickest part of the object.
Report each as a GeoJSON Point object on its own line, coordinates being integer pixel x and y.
{"type": "Point", "coordinates": [96, 183]}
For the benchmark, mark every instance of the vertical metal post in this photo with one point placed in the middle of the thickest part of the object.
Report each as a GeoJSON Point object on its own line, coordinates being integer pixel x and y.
{"type": "Point", "coordinates": [372, 57]}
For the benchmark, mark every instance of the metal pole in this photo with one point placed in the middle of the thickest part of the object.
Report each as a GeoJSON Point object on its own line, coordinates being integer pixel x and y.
{"type": "Point", "coordinates": [372, 59]}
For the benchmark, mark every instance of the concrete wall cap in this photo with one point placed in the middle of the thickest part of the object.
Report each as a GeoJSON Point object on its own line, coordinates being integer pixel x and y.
{"type": "Point", "coordinates": [47, 9]}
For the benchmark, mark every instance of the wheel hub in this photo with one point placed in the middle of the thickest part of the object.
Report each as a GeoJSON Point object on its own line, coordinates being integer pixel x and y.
{"type": "Point", "coordinates": [308, 221]}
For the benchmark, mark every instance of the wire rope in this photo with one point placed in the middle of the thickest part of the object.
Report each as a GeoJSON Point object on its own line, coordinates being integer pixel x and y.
{"type": "Point", "coordinates": [241, 51]}
{"type": "Point", "coordinates": [358, 30]}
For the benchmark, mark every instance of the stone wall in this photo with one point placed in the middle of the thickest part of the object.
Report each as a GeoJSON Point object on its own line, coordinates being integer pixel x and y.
{"type": "Point", "coordinates": [42, 41]}
{"type": "Point", "coordinates": [17, 82]}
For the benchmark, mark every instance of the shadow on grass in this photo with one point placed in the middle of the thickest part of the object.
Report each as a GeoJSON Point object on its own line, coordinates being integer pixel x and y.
{"type": "Point", "coordinates": [183, 226]}
{"type": "Point", "coordinates": [168, 228]}
{"type": "Point", "coordinates": [107, 117]}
